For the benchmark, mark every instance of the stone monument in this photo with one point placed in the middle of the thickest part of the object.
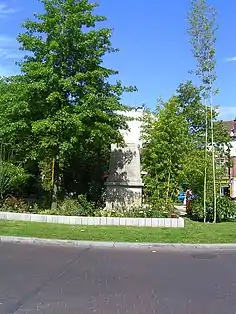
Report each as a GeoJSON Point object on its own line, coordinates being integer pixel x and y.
{"type": "Point", "coordinates": [124, 184]}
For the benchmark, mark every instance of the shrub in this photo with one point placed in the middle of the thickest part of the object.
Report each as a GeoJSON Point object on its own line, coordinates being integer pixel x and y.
{"type": "Point", "coordinates": [50, 212]}
{"type": "Point", "coordinates": [68, 207]}
{"type": "Point", "coordinates": [17, 205]}
{"type": "Point", "coordinates": [81, 207]}
{"type": "Point", "coordinates": [137, 212]}
{"type": "Point", "coordinates": [87, 208]}
{"type": "Point", "coordinates": [73, 207]}
{"type": "Point", "coordinates": [11, 177]}
{"type": "Point", "coordinates": [226, 210]}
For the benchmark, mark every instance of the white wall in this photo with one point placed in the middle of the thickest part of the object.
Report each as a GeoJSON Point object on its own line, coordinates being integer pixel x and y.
{"type": "Point", "coordinates": [232, 149]}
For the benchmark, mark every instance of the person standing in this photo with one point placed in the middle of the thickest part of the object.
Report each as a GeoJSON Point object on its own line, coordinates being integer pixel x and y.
{"type": "Point", "coordinates": [188, 200]}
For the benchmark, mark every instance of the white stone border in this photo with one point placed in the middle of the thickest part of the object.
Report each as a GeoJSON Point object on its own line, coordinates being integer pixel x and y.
{"type": "Point", "coordinates": [96, 221]}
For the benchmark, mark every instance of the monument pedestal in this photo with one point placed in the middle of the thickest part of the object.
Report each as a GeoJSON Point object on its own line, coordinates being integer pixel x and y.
{"type": "Point", "coordinates": [124, 184]}
{"type": "Point", "coordinates": [123, 196]}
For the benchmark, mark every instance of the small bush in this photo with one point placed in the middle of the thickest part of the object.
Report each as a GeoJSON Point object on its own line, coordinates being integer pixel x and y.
{"type": "Point", "coordinates": [73, 207]}
{"type": "Point", "coordinates": [11, 177]}
{"type": "Point", "coordinates": [226, 210]}
{"type": "Point", "coordinates": [50, 212]}
{"type": "Point", "coordinates": [35, 208]}
{"type": "Point", "coordinates": [87, 208]}
{"type": "Point", "coordinates": [137, 212]}
{"type": "Point", "coordinates": [17, 205]}
{"type": "Point", "coordinates": [162, 204]}
{"type": "Point", "coordinates": [81, 207]}
{"type": "Point", "coordinates": [68, 207]}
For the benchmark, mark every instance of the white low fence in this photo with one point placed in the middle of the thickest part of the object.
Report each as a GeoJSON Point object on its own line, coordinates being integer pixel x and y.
{"type": "Point", "coordinates": [96, 221]}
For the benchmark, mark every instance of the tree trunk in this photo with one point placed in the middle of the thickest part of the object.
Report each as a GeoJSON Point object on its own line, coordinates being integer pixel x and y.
{"type": "Point", "coordinates": [205, 169]}
{"type": "Point", "coordinates": [213, 163]}
{"type": "Point", "coordinates": [55, 182]}
{"type": "Point", "coordinates": [168, 182]}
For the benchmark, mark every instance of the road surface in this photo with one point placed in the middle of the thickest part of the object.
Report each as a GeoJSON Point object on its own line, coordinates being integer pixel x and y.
{"type": "Point", "coordinates": [46, 279]}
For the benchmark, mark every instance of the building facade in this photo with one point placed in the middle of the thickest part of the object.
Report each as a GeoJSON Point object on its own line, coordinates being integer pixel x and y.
{"type": "Point", "coordinates": [229, 182]}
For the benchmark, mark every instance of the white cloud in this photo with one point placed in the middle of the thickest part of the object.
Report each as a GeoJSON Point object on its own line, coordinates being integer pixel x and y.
{"type": "Point", "coordinates": [227, 113]}
{"type": "Point", "coordinates": [231, 59]}
{"type": "Point", "coordinates": [5, 71]}
{"type": "Point", "coordinates": [9, 48]}
{"type": "Point", "coordinates": [5, 10]}
{"type": "Point", "coordinates": [7, 40]}
{"type": "Point", "coordinates": [9, 53]}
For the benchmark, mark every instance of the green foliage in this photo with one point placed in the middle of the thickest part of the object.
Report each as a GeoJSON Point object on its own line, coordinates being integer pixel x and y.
{"type": "Point", "coordinates": [45, 167]}
{"type": "Point", "coordinates": [139, 212]}
{"type": "Point", "coordinates": [173, 153]}
{"type": "Point", "coordinates": [68, 207]}
{"type": "Point", "coordinates": [73, 207]}
{"type": "Point", "coordinates": [193, 108]}
{"type": "Point", "coordinates": [84, 173]}
{"type": "Point", "coordinates": [72, 97]}
{"type": "Point", "coordinates": [82, 207]}
{"type": "Point", "coordinates": [202, 20]}
{"type": "Point", "coordinates": [59, 117]}
{"type": "Point", "coordinates": [165, 136]}
{"type": "Point", "coordinates": [193, 172]}
{"type": "Point", "coordinates": [202, 31]}
{"type": "Point", "coordinates": [189, 98]}
{"type": "Point", "coordinates": [226, 210]}
{"type": "Point", "coordinates": [11, 178]}
{"type": "Point", "coordinates": [63, 105]}
{"type": "Point", "coordinates": [16, 205]}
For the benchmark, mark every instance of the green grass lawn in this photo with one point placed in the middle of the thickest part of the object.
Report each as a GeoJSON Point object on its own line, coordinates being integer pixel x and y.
{"type": "Point", "coordinates": [193, 232]}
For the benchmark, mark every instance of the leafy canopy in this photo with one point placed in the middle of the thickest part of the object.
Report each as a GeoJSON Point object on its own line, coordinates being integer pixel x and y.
{"type": "Point", "coordinates": [64, 97]}
{"type": "Point", "coordinates": [63, 104]}
{"type": "Point", "coordinates": [173, 151]}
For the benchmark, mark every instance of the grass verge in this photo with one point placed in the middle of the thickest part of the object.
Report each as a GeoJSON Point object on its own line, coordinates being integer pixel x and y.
{"type": "Point", "coordinates": [194, 232]}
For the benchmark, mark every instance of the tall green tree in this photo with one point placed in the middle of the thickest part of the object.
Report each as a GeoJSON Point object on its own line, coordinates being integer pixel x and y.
{"type": "Point", "coordinates": [63, 102]}
{"type": "Point", "coordinates": [202, 31]}
{"type": "Point", "coordinates": [192, 106]}
{"type": "Point", "coordinates": [195, 161]}
{"type": "Point", "coordinates": [166, 141]}
{"type": "Point", "coordinates": [190, 102]}
{"type": "Point", "coordinates": [173, 152]}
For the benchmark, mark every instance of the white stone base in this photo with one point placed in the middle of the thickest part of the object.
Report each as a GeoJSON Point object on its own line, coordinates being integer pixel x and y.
{"type": "Point", "coordinates": [120, 196]}
{"type": "Point", "coordinates": [96, 221]}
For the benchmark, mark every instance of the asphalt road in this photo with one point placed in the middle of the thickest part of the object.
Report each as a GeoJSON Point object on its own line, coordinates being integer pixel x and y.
{"type": "Point", "coordinates": [37, 279]}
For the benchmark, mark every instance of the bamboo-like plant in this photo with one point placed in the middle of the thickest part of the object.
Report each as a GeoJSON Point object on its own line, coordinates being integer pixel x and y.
{"type": "Point", "coordinates": [202, 30]}
{"type": "Point", "coordinates": [4, 174]}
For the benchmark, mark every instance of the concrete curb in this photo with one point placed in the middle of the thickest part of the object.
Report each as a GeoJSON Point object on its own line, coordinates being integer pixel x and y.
{"type": "Point", "coordinates": [96, 221]}
{"type": "Point", "coordinates": [121, 245]}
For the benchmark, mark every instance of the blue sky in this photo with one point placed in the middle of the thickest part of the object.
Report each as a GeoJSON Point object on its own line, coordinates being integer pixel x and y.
{"type": "Point", "coordinates": [154, 51]}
